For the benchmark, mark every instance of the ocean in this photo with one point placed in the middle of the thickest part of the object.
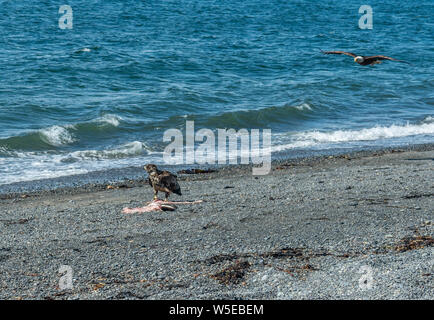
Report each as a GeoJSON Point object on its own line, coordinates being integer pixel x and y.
{"type": "Point", "coordinates": [101, 94]}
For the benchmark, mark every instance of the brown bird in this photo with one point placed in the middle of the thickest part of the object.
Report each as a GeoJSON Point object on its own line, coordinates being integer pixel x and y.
{"type": "Point", "coordinates": [163, 181]}
{"type": "Point", "coordinates": [364, 60]}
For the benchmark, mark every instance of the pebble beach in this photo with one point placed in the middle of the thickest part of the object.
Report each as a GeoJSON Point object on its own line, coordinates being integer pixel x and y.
{"type": "Point", "coordinates": [350, 226]}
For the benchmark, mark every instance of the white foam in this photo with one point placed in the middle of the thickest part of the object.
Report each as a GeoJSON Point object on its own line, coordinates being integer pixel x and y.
{"type": "Point", "coordinates": [111, 119]}
{"type": "Point", "coordinates": [428, 119]}
{"type": "Point", "coordinates": [368, 134]}
{"type": "Point", "coordinates": [37, 165]}
{"type": "Point", "coordinates": [134, 148]}
{"type": "Point", "coordinates": [312, 138]}
{"type": "Point", "coordinates": [56, 136]}
{"type": "Point", "coordinates": [303, 106]}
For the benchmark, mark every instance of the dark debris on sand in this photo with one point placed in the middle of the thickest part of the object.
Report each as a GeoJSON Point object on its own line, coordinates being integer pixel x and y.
{"type": "Point", "coordinates": [233, 274]}
{"type": "Point", "coordinates": [413, 243]}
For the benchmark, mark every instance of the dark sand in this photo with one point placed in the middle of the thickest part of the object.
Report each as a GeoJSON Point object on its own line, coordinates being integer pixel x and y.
{"type": "Point", "coordinates": [312, 228]}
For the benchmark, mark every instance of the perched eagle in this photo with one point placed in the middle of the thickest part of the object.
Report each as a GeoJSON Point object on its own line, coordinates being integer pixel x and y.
{"type": "Point", "coordinates": [364, 60]}
{"type": "Point", "coordinates": [163, 181]}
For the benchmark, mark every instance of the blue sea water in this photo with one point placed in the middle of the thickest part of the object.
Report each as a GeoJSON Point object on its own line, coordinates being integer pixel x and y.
{"type": "Point", "coordinates": [102, 94]}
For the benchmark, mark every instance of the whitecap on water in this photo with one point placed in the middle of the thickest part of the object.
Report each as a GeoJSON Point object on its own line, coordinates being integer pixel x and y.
{"type": "Point", "coordinates": [56, 136]}
{"type": "Point", "coordinates": [303, 106]}
{"type": "Point", "coordinates": [36, 165]}
{"type": "Point", "coordinates": [312, 138]}
{"type": "Point", "coordinates": [111, 119]}
{"type": "Point", "coordinates": [83, 50]}
{"type": "Point", "coordinates": [134, 148]}
{"type": "Point", "coordinates": [428, 119]}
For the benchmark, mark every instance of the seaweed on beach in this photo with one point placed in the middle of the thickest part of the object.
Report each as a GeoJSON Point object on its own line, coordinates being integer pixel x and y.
{"type": "Point", "coordinates": [412, 243]}
{"type": "Point", "coordinates": [418, 195]}
{"type": "Point", "coordinates": [196, 171]}
{"type": "Point", "coordinates": [283, 253]}
{"type": "Point", "coordinates": [276, 254]}
{"type": "Point", "coordinates": [232, 274]}
{"type": "Point", "coordinates": [18, 221]}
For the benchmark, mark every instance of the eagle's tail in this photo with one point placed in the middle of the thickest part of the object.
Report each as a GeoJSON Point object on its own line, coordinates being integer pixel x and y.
{"type": "Point", "coordinates": [178, 192]}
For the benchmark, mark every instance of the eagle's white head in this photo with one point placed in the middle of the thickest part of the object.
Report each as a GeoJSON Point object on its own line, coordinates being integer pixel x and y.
{"type": "Point", "coordinates": [359, 59]}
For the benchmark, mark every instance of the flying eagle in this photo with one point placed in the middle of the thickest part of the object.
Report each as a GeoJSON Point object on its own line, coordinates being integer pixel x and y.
{"type": "Point", "coordinates": [163, 181]}
{"type": "Point", "coordinates": [364, 60]}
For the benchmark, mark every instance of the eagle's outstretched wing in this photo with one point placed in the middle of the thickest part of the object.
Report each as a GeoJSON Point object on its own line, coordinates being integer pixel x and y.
{"type": "Point", "coordinates": [169, 181]}
{"type": "Point", "coordinates": [380, 57]}
{"type": "Point", "coordinates": [340, 52]}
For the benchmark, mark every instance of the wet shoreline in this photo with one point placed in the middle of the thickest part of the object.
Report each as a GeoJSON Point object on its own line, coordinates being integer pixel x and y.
{"type": "Point", "coordinates": [131, 176]}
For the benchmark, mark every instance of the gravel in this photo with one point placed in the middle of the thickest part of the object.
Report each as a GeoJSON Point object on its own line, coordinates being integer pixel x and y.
{"type": "Point", "coordinates": [356, 226]}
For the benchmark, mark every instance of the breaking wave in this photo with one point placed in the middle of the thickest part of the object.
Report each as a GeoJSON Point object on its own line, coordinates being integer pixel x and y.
{"type": "Point", "coordinates": [110, 119]}
{"type": "Point", "coordinates": [135, 148]}
{"type": "Point", "coordinates": [313, 138]}
{"type": "Point", "coordinates": [57, 135]}
{"type": "Point", "coordinates": [41, 165]}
